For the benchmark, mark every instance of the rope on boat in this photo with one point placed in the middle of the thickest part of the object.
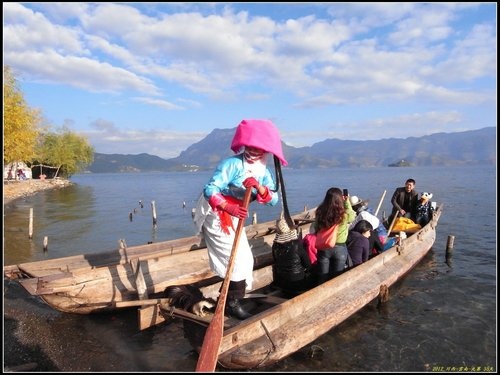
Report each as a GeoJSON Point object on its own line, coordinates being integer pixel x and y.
{"type": "Point", "coordinates": [268, 334]}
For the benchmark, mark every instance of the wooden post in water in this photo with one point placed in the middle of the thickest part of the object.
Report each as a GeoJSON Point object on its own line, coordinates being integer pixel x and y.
{"type": "Point", "coordinates": [45, 243]}
{"type": "Point", "coordinates": [449, 248]}
{"type": "Point", "coordinates": [30, 230]}
{"type": "Point", "coordinates": [153, 207]}
{"type": "Point", "coordinates": [122, 244]}
{"type": "Point", "coordinates": [254, 218]}
{"type": "Point", "coordinates": [449, 244]}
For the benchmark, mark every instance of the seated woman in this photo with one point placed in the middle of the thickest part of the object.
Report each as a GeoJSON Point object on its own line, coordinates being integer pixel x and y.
{"type": "Point", "coordinates": [358, 244]}
{"type": "Point", "coordinates": [363, 213]}
{"type": "Point", "coordinates": [424, 209]}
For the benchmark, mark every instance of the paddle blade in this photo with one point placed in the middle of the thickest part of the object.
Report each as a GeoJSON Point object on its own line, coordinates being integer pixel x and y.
{"type": "Point", "coordinates": [207, 361]}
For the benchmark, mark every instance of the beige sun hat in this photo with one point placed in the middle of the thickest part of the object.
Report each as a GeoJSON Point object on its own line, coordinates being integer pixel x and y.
{"type": "Point", "coordinates": [356, 201]}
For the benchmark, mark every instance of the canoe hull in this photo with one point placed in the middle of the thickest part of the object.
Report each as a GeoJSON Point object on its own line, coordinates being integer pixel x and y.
{"type": "Point", "coordinates": [272, 335]}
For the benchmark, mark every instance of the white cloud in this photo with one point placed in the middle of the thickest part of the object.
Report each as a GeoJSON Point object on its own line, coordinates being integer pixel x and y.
{"type": "Point", "coordinates": [208, 63]}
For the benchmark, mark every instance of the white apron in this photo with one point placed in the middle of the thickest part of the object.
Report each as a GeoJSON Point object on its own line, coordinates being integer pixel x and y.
{"type": "Point", "coordinates": [220, 244]}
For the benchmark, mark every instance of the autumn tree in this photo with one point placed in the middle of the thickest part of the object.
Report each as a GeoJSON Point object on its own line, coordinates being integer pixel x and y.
{"type": "Point", "coordinates": [21, 124]}
{"type": "Point", "coordinates": [65, 151]}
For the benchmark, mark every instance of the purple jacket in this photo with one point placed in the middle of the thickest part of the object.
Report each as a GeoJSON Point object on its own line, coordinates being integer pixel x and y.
{"type": "Point", "coordinates": [358, 247]}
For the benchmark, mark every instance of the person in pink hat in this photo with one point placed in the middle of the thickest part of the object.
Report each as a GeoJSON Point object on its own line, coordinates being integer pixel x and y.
{"type": "Point", "coordinates": [220, 205]}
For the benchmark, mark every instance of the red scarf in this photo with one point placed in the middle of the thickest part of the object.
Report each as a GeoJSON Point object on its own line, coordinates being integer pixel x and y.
{"type": "Point", "coordinates": [226, 220]}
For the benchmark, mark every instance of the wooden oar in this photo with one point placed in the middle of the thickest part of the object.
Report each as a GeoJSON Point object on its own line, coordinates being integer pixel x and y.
{"type": "Point", "coordinates": [207, 361]}
{"type": "Point", "coordinates": [141, 302]}
{"type": "Point", "coordinates": [392, 224]}
{"type": "Point", "coordinates": [380, 203]}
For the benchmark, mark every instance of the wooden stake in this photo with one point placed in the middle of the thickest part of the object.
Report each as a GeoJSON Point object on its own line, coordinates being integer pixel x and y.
{"type": "Point", "coordinates": [153, 207]}
{"type": "Point", "coordinates": [254, 218]}
{"type": "Point", "coordinates": [30, 231]}
{"type": "Point", "coordinates": [449, 244]}
{"type": "Point", "coordinates": [122, 244]}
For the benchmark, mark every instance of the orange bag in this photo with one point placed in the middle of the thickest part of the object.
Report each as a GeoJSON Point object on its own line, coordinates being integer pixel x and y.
{"type": "Point", "coordinates": [327, 238]}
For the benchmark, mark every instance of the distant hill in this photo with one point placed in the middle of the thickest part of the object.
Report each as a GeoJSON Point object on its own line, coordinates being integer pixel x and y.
{"type": "Point", "coordinates": [111, 163]}
{"type": "Point", "coordinates": [461, 148]}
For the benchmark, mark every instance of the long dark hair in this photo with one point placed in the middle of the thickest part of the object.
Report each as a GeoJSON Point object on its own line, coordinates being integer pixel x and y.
{"type": "Point", "coordinates": [331, 211]}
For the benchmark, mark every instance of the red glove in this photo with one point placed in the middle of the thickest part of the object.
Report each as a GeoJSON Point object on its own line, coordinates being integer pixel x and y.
{"type": "Point", "coordinates": [251, 182]}
{"type": "Point", "coordinates": [236, 210]}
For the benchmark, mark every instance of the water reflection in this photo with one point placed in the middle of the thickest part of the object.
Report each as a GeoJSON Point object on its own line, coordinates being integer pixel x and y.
{"type": "Point", "coordinates": [52, 211]}
{"type": "Point", "coordinates": [443, 313]}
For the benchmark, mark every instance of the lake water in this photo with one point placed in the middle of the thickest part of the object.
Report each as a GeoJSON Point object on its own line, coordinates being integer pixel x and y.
{"type": "Point", "coordinates": [441, 317]}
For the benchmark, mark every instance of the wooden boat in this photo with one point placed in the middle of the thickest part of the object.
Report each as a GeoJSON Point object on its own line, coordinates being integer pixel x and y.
{"type": "Point", "coordinates": [283, 324]}
{"type": "Point", "coordinates": [103, 281]}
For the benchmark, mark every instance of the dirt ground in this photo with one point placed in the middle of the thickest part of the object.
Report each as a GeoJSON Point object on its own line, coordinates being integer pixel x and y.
{"type": "Point", "coordinates": [25, 336]}
{"type": "Point", "coordinates": [38, 338]}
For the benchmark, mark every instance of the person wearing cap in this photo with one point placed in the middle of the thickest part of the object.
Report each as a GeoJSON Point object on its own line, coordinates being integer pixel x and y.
{"type": "Point", "coordinates": [424, 209]}
{"type": "Point", "coordinates": [220, 205]}
{"type": "Point", "coordinates": [360, 207]}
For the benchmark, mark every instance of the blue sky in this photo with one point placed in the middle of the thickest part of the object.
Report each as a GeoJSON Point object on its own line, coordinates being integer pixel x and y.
{"type": "Point", "coordinates": [158, 77]}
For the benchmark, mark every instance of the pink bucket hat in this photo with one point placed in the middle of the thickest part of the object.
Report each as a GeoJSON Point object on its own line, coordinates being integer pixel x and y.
{"type": "Point", "coordinates": [262, 134]}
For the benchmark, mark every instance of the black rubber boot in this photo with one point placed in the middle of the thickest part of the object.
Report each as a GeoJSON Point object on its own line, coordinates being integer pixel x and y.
{"type": "Point", "coordinates": [235, 309]}
{"type": "Point", "coordinates": [235, 294]}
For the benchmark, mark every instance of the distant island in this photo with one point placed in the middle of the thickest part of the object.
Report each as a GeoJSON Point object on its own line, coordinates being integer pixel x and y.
{"type": "Point", "coordinates": [401, 163]}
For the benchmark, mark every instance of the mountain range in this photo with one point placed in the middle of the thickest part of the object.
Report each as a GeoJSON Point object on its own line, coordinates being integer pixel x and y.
{"type": "Point", "coordinates": [472, 147]}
